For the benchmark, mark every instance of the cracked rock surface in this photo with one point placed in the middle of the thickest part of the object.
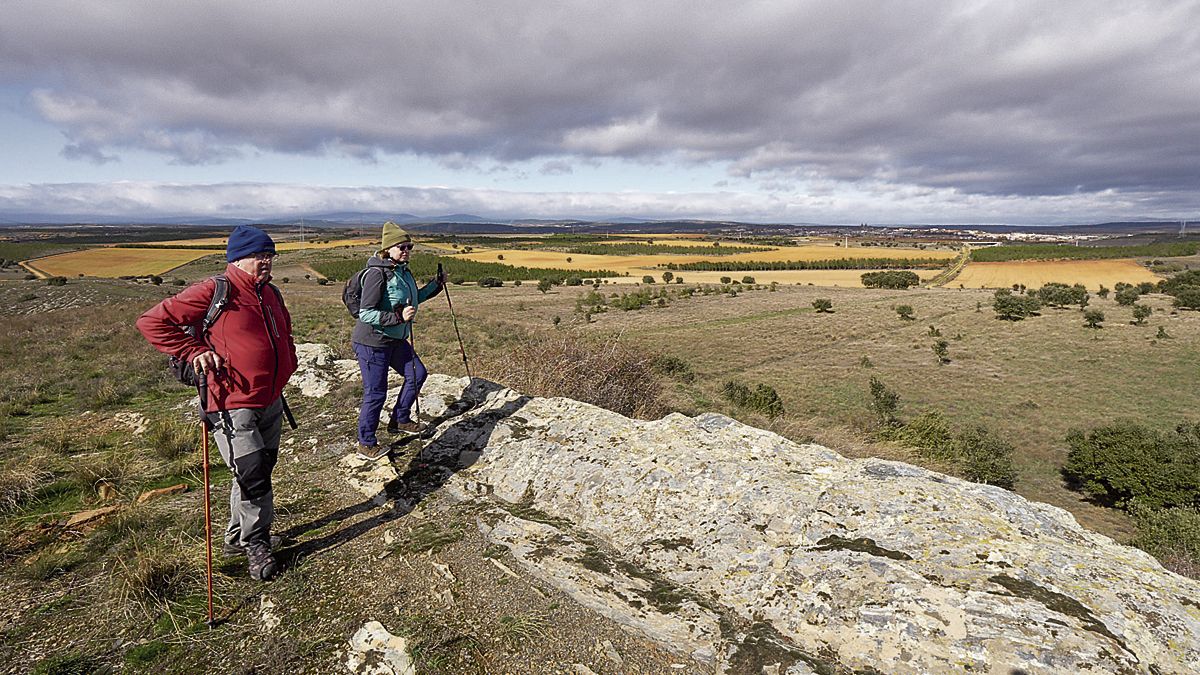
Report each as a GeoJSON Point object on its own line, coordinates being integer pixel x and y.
{"type": "Point", "coordinates": [740, 549]}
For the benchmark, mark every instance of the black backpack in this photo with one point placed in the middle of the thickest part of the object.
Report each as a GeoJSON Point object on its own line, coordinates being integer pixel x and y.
{"type": "Point", "coordinates": [352, 292]}
{"type": "Point", "coordinates": [182, 368]}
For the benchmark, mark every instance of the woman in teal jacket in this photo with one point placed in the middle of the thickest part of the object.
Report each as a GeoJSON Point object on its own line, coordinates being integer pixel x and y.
{"type": "Point", "coordinates": [389, 302]}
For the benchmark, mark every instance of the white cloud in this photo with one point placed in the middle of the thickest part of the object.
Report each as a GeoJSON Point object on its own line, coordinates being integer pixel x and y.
{"type": "Point", "coordinates": [1005, 100]}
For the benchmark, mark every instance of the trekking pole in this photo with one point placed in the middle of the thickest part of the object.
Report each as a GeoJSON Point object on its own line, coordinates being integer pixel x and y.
{"type": "Point", "coordinates": [454, 320]}
{"type": "Point", "coordinates": [202, 388]}
{"type": "Point", "coordinates": [412, 343]}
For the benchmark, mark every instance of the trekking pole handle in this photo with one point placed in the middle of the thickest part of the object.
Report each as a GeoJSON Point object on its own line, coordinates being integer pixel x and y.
{"type": "Point", "coordinates": [202, 390]}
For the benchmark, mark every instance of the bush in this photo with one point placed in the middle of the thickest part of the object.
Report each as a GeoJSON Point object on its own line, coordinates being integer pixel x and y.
{"type": "Point", "coordinates": [56, 281]}
{"type": "Point", "coordinates": [1140, 314]}
{"type": "Point", "coordinates": [1061, 295]}
{"type": "Point", "coordinates": [1014, 307]}
{"type": "Point", "coordinates": [1171, 535]}
{"type": "Point", "coordinates": [544, 284]}
{"type": "Point", "coordinates": [1126, 296]}
{"type": "Point", "coordinates": [647, 279]}
{"type": "Point", "coordinates": [885, 403]}
{"type": "Point", "coordinates": [906, 312]}
{"type": "Point", "coordinates": [986, 459]}
{"type": "Point", "coordinates": [726, 280]}
{"type": "Point", "coordinates": [1092, 318]}
{"type": "Point", "coordinates": [173, 438]}
{"type": "Point", "coordinates": [493, 282]}
{"type": "Point", "coordinates": [763, 398]}
{"type": "Point", "coordinates": [674, 367]}
{"type": "Point", "coordinates": [604, 373]}
{"type": "Point", "coordinates": [941, 349]}
{"type": "Point", "coordinates": [1187, 297]}
{"type": "Point", "coordinates": [823, 305]}
{"type": "Point", "coordinates": [748, 280]}
{"type": "Point", "coordinates": [322, 281]}
{"type": "Point", "coordinates": [890, 279]}
{"type": "Point", "coordinates": [1125, 464]}
{"type": "Point", "coordinates": [574, 281]}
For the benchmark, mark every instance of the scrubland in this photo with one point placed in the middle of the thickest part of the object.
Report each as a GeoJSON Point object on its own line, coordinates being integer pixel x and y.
{"type": "Point", "coordinates": [76, 380]}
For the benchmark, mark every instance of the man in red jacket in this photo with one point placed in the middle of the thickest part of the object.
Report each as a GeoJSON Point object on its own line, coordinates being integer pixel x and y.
{"type": "Point", "coordinates": [246, 356]}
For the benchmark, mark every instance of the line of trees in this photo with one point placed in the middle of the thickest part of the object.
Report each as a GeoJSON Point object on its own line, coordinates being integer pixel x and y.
{"type": "Point", "coordinates": [635, 248]}
{"type": "Point", "coordinates": [459, 270]}
{"type": "Point", "coordinates": [836, 264]}
{"type": "Point", "coordinates": [1067, 252]}
{"type": "Point", "coordinates": [892, 279]}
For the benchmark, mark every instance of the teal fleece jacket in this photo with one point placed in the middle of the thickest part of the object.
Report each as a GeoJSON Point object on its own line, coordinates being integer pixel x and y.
{"type": "Point", "coordinates": [386, 289]}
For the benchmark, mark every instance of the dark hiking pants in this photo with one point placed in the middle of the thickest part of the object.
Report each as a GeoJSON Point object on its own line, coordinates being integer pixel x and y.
{"type": "Point", "coordinates": [374, 363]}
{"type": "Point", "coordinates": [248, 439]}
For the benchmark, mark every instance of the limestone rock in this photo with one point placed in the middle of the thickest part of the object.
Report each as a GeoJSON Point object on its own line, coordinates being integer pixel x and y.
{"type": "Point", "coordinates": [369, 477]}
{"type": "Point", "coordinates": [161, 492]}
{"type": "Point", "coordinates": [742, 549]}
{"type": "Point", "coordinates": [85, 517]}
{"type": "Point", "coordinates": [375, 651]}
{"type": "Point", "coordinates": [318, 371]}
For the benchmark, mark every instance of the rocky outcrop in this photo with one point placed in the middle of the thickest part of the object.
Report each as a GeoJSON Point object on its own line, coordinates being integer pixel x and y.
{"type": "Point", "coordinates": [747, 551]}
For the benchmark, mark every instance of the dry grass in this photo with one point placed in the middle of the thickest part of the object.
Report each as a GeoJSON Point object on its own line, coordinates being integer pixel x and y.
{"type": "Point", "coordinates": [606, 373]}
{"type": "Point", "coordinates": [1037, 273]}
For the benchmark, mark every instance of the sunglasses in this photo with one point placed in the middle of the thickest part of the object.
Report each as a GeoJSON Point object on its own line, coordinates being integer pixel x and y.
{"type": "Point", "coordinates": [404, 247]}
{"type": "Point", "coordinates": [264, 256]}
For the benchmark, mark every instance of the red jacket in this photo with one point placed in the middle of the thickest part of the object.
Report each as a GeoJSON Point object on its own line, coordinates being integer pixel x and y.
{"type": "Point", "coordinates": [253, 336]}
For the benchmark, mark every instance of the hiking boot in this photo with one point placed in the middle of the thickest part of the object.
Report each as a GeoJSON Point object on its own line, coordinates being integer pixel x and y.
{"type": "Point", "coordinates": [262, 563]}
{"type": "Point", "coordinates": [372, 452]}
{"type": "Point", "coordinates": [408, 428]}
{"type": "Point", "coordinates": [234, 550]}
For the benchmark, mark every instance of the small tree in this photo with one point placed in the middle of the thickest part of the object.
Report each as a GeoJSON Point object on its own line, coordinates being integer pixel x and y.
{"type": "Point", "coordinates": [1162, 334]}
{"type": "Point", "coordinates": [500, 257]}
{"type": "Point", "coordinates": [1103, 292]}
{"type": "Point", "coordinates": [823, 305]}
{"type": "Point", "coordinates": [647, 279]}
{"type": "Point", "coordinates": [726, 280]}
{"type": "Point", "coordinates": [667, 277]}
{"type": "Point", "coordinates": [1126, 296]}
{"type": "Point", "coordinates": [941, 349]}
{"type": "Point", "coordinates": [906, 312]}
{"type": "Point", "coordinates": [885, 403]}
{"type": "Point", "coordinates": [1014, 307]}
{"type": "Point", "coordinates": [1187, 297]}
{"type": "Point", "coordinates": [747, 280]}
{"type": "Point", "coordinates": [544, 285]}
{"type": "Point", "coordinates": [1140, 314]}
{"type": "Point", "coordinates": [1093, 317]}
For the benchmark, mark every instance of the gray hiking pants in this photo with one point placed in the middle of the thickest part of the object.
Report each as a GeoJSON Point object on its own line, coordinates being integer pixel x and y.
{"type": "Point", "coordinates": [248, 439]}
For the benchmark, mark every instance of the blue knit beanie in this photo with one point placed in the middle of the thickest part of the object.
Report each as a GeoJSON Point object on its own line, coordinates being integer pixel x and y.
{"type": "Point", "coordinates": [247, 240]}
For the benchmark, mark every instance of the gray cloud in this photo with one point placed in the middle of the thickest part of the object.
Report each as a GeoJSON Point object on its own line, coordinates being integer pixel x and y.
{"type": "Point", "coordinates": [1000, 99]}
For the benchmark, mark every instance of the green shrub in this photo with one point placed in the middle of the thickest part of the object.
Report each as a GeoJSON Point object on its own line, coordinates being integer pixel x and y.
{"type": "Point", "coordinates": [491, 282]}
{"type": "Point", "coordinates": [1187, 297]}
{"type": "Point", "coordinates": [900, 279]}
{"type": "Point", "coordinates": [647, 279]}
{"type": "Point", "coordinates": [823, 305]}
{"type": "Point", "coordinates": [762, 398]}
{"type": "Point", "coordinates": [906, 312]}
{"type": "Point", "coordinates": [1092, 318]}
{"type": "Point", "coordinates": [1014, 307]}
{"type": "Point", "coordinates": [748, 280]}
{"type": "Point", "coordinates": [674, 367]}
{"type": "Point", "coordinates": [1140, 314]}
{"type": "Point", "coordinates": [56, 281]}
{"type": "Point", "coordinates": [1126, 464]}
{"type": "Point", "coordinates": [574, 281]}
{"type": "Point", "coordinates": [985, 458]}
{"type": "Point", "coordinates": [1171, 535]}
{"type": "Point", "coordinates": [1126, 296]}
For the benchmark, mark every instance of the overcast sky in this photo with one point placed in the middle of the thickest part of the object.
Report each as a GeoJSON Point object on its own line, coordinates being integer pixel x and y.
{"type": "Point", "coordinates": [834, 112]}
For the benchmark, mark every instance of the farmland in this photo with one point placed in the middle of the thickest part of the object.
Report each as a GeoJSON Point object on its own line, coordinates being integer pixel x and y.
{"type": "Point", "coordinates": [1035, 273]}
{"type": "Point", "coordinates": [115, 262]}
{"type": "Point", "coordinates": [140, 259]}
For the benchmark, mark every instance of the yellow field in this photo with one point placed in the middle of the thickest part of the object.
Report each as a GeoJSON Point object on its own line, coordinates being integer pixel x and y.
{"type": "Point", "coordinates": [1035, 273]}
{"type": "Point", "coordinates": [279, 245]}
{"type": "Point", "coordinates": [117, 262]}
{"type": "Point", "coordinates": [640, 265]}
{"type": "Point", "coordinates": [110, 261]}
{"type": "Point", "coordinates": [843, 278]}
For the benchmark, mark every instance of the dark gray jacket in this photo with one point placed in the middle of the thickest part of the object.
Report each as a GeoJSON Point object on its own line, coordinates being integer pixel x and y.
{"type": "Point", "coordinates": [386, 289]}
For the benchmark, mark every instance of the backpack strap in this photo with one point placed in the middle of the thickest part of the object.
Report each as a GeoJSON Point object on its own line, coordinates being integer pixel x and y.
{"type": "Point", "coordinates": [218, 302]}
